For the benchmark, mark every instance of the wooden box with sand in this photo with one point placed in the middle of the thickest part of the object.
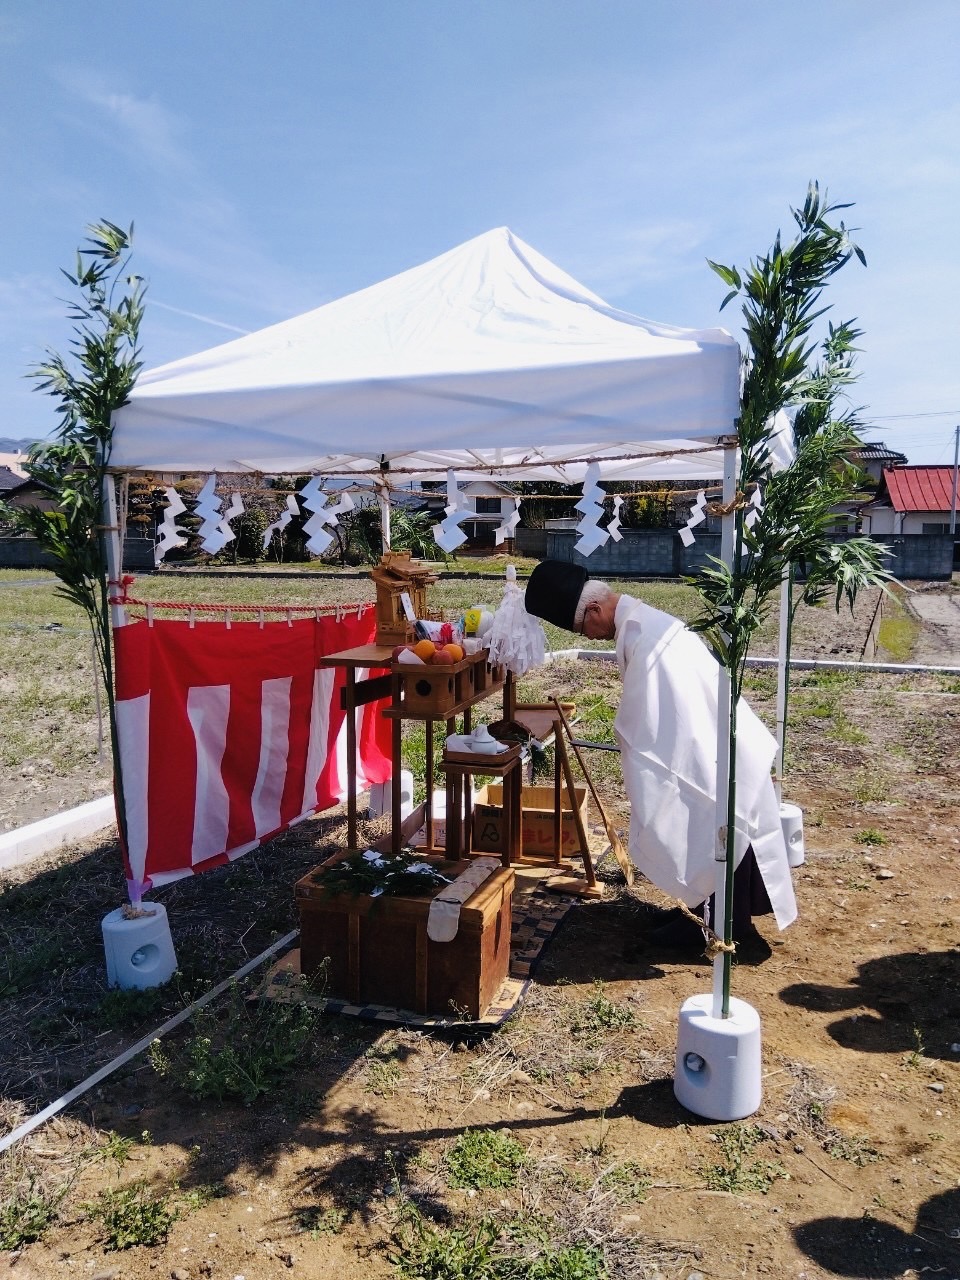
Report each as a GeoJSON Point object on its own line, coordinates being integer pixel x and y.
{"type": "Point", "coordinates": [376, 948]}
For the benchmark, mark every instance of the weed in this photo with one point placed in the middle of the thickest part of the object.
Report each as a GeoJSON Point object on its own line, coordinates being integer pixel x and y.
{"type": "Point", "coordinates": [914, 1058]}
{"type": "Point", "coordinates": [27, 1212]}
{"type": "Point", "coordinates": [857, 1150]}
{"type": "Point", "coordinates": [844, 730]}
{"type": "Point", "coordinates": [425, 1251]}
{"type": "Point", "coordinates": [382, 1070]}
{"type": "Point", "coordinates": [132, 1215]}
{"type": "Point", "coordinates": [733, 1173]}
{"type": "Point", "coordinates": [485, 1158]}
{"type": "Point", "coordinates": [598, 1013]}
{"type": "Point", "coordinates": [869, 835]}
{"type": "Point", "coordinates": [898, 636]}
{"type": "Point", "coordinates": [127, 1009]}
{"type": "Point", "coordinates": [116, 1149]}
{"type": "Point", "coordinates": [317, 1222]}
{"type": "Point", "coordinates": [628, 1182]}
{"type": "Point", "coordinates": [242, 1052]}
{"type": "Point", "coordinates": [201, 1195]}
{"type": "Point", "coordinates": [21, 968]}
{"type": "Point", "coordinates": [598, 1145]}
{"type": "Point", "coordinates": [871, 787]}
{"type": "Point", "coordinates": [859, 886]}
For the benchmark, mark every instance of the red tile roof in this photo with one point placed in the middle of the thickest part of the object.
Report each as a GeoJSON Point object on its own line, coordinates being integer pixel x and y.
{"type": "Point", "coordinates": [920, 488]}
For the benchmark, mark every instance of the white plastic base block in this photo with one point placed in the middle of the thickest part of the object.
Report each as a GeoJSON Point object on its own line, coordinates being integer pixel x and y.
{"type": "Point", "coordinates": [139, 952]}
{"type": "Point", "coordinates": [791, 819]}
{"type": "Point", "coordinates": [381, 796]}
{"type": "Point", "coordinates": [718, 1074]}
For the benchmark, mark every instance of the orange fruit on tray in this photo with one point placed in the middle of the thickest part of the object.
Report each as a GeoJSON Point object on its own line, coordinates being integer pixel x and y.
{"type": "Point", "coordinates": [455, 652]}
{"type": "Point", "coordinates": [425, 649]}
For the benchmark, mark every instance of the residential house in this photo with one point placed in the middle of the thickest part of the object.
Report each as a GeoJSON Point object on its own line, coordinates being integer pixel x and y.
{"type": "Point", "coordinates": [911, 500]}
{"type": "Point", "coordinates": [875, 458]}
{"type": "Point", "coordinates": [491, 500]}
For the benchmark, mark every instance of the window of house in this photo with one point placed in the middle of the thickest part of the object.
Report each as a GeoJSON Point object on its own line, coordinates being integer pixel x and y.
{"type": "Point", "coordinates": [929, 527]}
{"type": "Point", "coordinates": [488, 506]}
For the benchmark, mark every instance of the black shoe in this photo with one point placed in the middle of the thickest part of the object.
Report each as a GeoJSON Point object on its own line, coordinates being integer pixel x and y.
{"type": "Point", "coordinates": [677, 933]}
{"type": "Point", "coordinates": [752, 947]}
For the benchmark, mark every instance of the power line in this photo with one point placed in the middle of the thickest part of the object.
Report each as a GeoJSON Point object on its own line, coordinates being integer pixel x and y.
{"type": "Point", "coordinates": [902, 417]}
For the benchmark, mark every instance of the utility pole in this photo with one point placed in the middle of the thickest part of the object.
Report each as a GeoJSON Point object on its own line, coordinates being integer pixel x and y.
{"type": "Point", "coordinates": [956, 460]}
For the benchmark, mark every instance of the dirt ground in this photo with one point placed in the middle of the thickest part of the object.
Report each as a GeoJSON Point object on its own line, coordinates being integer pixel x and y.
{"type": "Point", "coordinates": [850, 1168]}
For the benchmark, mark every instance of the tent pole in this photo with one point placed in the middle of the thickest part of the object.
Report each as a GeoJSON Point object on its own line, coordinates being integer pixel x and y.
{"type": "Point", "coordinates": [782, 676]}
{"type": "Point", "coordinates": [724, 711]}
{"type": "Point", "coordinates": [383, 498]}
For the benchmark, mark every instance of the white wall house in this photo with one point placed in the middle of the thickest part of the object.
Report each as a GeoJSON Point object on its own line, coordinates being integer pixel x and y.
{"type": "Point", "coordinates": [911, 500]}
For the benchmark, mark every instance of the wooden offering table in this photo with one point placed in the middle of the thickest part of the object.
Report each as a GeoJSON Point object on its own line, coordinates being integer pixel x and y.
{"type": "Point", "coordinates": [445, 693]}
{"type": "Point", "coordinates": [459, 769]}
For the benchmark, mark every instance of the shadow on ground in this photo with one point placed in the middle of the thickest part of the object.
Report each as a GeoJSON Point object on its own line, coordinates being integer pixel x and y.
{"type": "Point", "coordinates": [914, 999]}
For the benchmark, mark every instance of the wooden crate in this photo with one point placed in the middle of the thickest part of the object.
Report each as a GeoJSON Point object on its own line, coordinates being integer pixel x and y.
{"type": "Point", "coordinates": [378, 951]}
{"type": "Point", "coordinates": [439, 691]}
{"type": "Point", "coordinates": [536, 820]}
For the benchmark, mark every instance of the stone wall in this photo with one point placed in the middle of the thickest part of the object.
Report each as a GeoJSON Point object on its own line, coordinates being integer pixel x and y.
{"type": "Point", "coordinates": [26, 553]}
{"type": "Point", "coordinates": [659, 553]}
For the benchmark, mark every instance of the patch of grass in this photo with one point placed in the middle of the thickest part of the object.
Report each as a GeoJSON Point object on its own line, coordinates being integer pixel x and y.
{"type": "Point", "coordinates": [871, 836]}
{"type": "Point", "coordinates": [21, 969]}
{"type": "Point", "coordinates": [844, 730]}
{"type": "Point", "coordinates": [383, 1075]}
{"type": "Point", "coordinates": [485, 1158]}
{"type": "Point", "coordinates": [628, 1182]}
{"type": "Point", "coordinates": [116, 1148]}
{"type": "Point", "coordinates": [598, 1014]}
{"type": "Point", "coordinates": [241, 1052]}
{"type": "Point", "coordinates": [316, 1221]}
{"type": "Point", "coordinates": [898, 636]}
{"type": "Point", "coordinates": [27, 1212]}
{"type": "Point", "coordinates": [478, 1250]}
{"type": "Point", "coordinates": [133, 1216]}
{"type": "Point", "coordinates": [858, 1150]}
{"type": "Point", "coordinates": [127, 1009]}
{"type": "Point", "coordinates": [425, 1251]}
{"type": "Point", "coordinates": [733, 1172]}
{"type": "Point", "coordinates": [871, 787]}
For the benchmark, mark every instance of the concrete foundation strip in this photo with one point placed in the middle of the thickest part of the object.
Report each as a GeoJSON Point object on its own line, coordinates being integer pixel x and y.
{"type": "Point", "coordinates": [79, 1090]}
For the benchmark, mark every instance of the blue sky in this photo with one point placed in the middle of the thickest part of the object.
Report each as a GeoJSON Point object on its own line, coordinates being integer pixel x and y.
{"type": "Point", "coordinates": [275, 154]}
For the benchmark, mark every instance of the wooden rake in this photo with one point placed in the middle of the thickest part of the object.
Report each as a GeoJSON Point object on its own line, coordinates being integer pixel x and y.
{"type": "Point", "coordinates": [616, 844]}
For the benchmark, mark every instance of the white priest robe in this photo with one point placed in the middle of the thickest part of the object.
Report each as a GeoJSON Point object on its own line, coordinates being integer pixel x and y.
{"type": "Point", "coordinates": [667, 730]}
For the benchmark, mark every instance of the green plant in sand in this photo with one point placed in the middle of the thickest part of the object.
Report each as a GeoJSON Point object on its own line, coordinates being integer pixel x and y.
{"type": "Point", "coordinates": [482, 1158]}
{"type": "Point", "coordinates": [241, 1052]}
{"type": "Point", "coordinates": [88, 384]}
{"type": "Point", "coordinates": [781, 293]}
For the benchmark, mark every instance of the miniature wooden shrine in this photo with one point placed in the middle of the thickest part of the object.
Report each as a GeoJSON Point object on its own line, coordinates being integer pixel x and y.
{"type": "Point", "coordinates": [396, 575]}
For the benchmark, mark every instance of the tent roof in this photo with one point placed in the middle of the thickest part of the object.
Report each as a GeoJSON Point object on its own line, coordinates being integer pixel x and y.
{"type": "Point", "coordinates": [488, 355]}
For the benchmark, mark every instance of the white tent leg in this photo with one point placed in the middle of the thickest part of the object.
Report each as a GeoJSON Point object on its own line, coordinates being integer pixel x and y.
{"type": "Point", "coordinates": [782, 682]}
{"type": "Point", "coordinates": [383, 498]}
{"type": "Point", "coordinates": [727, 531]}
{"type": "Point", "coordinates": [114, 547]}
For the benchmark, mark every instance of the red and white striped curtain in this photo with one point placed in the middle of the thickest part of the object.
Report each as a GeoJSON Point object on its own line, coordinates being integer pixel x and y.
{"type": "Point", "coordinates": [229, 734]}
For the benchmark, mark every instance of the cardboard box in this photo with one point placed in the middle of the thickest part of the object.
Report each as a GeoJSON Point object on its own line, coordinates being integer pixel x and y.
{"type": "Point", "coordinates": [378, 951]}
{"type": "Point", "coordinates": [536, 820]}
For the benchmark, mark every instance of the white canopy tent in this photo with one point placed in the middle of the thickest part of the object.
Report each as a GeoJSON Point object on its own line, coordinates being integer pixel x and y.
{"type": "Point", "coordinates": [488, 359]}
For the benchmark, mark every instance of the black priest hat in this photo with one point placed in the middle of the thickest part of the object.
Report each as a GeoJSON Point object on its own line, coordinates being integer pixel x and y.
{"type": "Point", "coordinates": [553, 592]}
